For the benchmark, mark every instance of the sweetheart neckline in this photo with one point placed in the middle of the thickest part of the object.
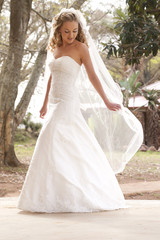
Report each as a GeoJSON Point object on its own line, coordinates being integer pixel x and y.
{"type": "Point", "coordinates": [68, 57]}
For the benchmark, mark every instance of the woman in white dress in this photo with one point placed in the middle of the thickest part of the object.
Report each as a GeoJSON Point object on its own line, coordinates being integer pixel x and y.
{"type": "Point", "coordinates": [69, 171]}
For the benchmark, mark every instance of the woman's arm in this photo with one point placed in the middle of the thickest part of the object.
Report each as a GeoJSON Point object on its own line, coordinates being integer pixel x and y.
{"type": "Point", "coordinates": [47, 91]}
{"type": "Point", "coordinates": [43, 110]}
{"type": "Point", "coordinates": [86, 60]}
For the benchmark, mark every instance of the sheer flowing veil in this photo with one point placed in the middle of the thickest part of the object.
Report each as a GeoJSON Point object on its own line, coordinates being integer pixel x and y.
{"type": "Point", "coordinates": [119, 133]}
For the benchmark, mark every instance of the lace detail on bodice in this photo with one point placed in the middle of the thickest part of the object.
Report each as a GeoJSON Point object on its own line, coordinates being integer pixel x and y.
{"type": "Point", "coordinates": [65, 71]}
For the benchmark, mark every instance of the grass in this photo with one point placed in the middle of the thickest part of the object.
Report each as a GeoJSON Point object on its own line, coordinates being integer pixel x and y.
{"type": "Point", "coordinates": [24, 150]}
{"type": "Point", "coordinates": [148, 155]}
{"type": "Point", "coordinates": [20, 170]}
{"type": "Point", "coordinates": [24, 144]}
{"type": "Point", "coordinates": [144, 166]}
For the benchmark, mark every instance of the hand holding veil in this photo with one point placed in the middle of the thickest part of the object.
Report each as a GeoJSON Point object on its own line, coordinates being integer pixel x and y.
{"type": "Point", "coordinates": [119, 133]}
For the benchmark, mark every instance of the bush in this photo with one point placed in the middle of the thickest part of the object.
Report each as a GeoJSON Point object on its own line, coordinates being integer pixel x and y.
{"type": "Point", "coordinates": [35, 127]}
{"type": "Point", "coordinates": [30, 125]}
{"type": "Point", "coordinates": [22, 136]}
{"type": "Point", "coordinates": [26, 120]}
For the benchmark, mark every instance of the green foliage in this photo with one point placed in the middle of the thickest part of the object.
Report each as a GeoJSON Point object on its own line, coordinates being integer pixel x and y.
{"type": "Point", "coordinates": [120, 15]}
{"type": "Point", "coordinates": [21, 136]}
{"type": "Point", "coordinates": [138, 31]}
{"type": "Point", "coordinates": [34, 127]}
{"type": "Point", "coordinates": [130, 86]}
{"type": "Point", "coordinates": [112, 50]}
{"type": "Point", "coordinates": [142, 7]}
{"type": "Point", "coordinates": [152, 96]}
{"type": "Point", "coordinates": [26, 120]}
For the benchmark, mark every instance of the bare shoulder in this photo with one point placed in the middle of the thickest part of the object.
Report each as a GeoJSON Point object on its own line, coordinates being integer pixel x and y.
{"type": "Point", "coordinates": [82, 48]}
{"type": "Point", "coordinates": [85, 57]}
{"type": "Point", "coordinates": [83, 52]}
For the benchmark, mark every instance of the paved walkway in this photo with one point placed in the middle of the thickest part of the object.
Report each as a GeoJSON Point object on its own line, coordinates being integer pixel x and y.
{"type": "Point", "coordinates": [141, 221]}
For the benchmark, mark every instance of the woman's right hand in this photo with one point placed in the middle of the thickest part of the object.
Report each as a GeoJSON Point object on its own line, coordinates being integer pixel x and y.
{"type": "Point", "coordinates": [43, 111]}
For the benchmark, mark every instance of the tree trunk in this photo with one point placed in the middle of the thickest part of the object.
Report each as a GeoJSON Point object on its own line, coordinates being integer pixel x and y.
{"type": "Point", "coordinates": [9, 79]}
{"type": "Point", "coordinates": [77, 4]}
{"type": "Point", "coordinates": [1, 5]}
{"type": "Point", "coordinates": [29, 90]}
{"type": "Point", "coordinates": [152, 128]}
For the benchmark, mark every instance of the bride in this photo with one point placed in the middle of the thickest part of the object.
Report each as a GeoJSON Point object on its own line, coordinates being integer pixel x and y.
{"type": "Point", "coordinates": [69, 170]}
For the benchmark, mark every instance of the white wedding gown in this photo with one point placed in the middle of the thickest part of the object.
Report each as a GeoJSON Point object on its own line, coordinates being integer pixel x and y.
{"type": "Point", "coordinates": [69, 171]}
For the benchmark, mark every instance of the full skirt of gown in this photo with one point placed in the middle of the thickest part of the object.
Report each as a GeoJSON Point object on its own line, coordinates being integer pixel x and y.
{"type": "Point", "coordinates": [69, 171]}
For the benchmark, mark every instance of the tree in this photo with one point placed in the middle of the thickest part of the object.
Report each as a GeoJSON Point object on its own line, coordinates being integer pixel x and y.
{"type": "Point", "coordinates": [10, 75]}
{"type": "Point", "coordinates": [139, 31]}
{"type": "Point", "coordinates": [9, 78]}
{"type": "Point", "coordinates": [145, 7]}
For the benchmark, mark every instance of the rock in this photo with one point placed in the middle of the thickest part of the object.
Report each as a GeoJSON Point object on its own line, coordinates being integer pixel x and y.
{"type": "Point", "coordinates": [143, 148]}
{"type": "Point", "coordinates": [152, 148]}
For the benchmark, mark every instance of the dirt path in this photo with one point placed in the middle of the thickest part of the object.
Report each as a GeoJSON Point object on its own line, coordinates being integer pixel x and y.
{"type": "Point", "coordinates": [11, 185]}
{"type": "Point", "coordinates": [142, 190]}
{"type": "Point", "coordinates": [138, 190]}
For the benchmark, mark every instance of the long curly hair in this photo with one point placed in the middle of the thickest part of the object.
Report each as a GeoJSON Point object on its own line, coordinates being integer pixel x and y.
{"type": "Point", "coordinates": [56, 39]}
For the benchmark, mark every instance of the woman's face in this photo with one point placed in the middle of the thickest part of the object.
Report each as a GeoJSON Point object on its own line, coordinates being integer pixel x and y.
{"type": "Point", "coordinates": [69, 31]}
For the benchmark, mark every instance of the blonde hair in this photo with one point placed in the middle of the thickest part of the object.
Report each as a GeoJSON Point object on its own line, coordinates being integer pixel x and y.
{"type": "Point", "coordinates": [56, 39]}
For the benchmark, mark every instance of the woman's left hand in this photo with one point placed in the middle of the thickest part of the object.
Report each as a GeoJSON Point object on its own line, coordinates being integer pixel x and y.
{"type": "Point", "coordinates": [113, 106]}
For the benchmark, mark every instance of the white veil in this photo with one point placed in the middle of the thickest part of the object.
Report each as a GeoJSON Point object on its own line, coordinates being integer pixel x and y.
{"type": "Point", "coordinates": [119, 133]}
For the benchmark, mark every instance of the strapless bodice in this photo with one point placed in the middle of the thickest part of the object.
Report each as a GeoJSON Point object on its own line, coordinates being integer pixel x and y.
{"type": "Point", "coordinates": [65, 71]}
